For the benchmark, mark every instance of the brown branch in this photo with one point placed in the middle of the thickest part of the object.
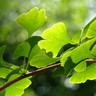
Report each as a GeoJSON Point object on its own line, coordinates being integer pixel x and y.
{"type": "Point", "coordinates": [91, 61]}
{"type": "Point", "coordinates": [38, 71]}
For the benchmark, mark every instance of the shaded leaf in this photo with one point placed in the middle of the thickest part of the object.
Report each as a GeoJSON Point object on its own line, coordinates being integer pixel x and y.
{"type": "Point", "coordinates": [2, 49]}
{"type": "Point", "coordinates": [55, 38]}
{"type": "Point", "coordinates": [33, 40]}
{"type": "Point", "coordinates": [68, 67]}
{"type": "Point", "coordinates": [17, 89]}
{"type": "Point", "coordinates": [65, 56]}
{"type": "Point", "coordinates": [38, 58]}
{"type": "Point", "coordinates": [58, 72]}
{"type": "Point", "coordinates": [32, 20]}
{"type": "Point", "coordinates": [22, 49]}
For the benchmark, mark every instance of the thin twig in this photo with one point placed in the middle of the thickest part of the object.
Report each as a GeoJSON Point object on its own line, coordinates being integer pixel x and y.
{"type": "Point", "coordinates": [91, 61]}
{"type": "Point", "coordinates": [38, 71]}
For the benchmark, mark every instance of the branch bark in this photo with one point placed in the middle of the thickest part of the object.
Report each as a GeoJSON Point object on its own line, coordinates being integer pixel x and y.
{"type": "Point", "coordinates": [38, 71]}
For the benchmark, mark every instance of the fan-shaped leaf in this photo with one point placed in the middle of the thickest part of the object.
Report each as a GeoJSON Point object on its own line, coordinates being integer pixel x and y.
{"type": "Point", "coordinates": [54, 38]}
{"type": "Point", "coordinates": [22, 50]}
{"type": "Point", "coordinates": [65, 56]}
{"type": "Point", "coordinates": [4, 72]}
{"type": "Point", "coordinates": [17, 89]}
{"type": "Point", "coordinates": [90, 29]}
{"type": "Point", "coordinates": [81, 66]}
{"type": "Point", "coordinates": [88, 74]}
{"type": "Point", "coordinates": [32, 20]}
{"type": "Point", "coordinates": [93, 52]}
{"type": "Point", "coordinates": [39, 59]}
{"type": "Point", "coordinates": [82, 51]}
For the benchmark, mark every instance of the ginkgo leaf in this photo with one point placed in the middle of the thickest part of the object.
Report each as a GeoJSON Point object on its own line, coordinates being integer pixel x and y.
{"type": "Point", "coordinates": [55, 38]}
{"type": "Point", "coordinates": [2, 62]}
{"type": "Point", "coordinates": [75, 56]}
{"type": "Point", "coordinates": [22, 50]}
{"type": "Point", "coordinates": [4, 72]}
{"type": "Point", "coordinates": [88, 74]}
{"type": "Point", "coordinates": [58, 72]}
{"type": "Point", "coordinates": [38, 58]}
{"type": "Point", "coordinates": [65, 56]}
{"type": "Point", "coordinates": [33, 40]}
{"type": "Point", "coordinates": [81, 66]}
{"type": "Point", "coordinates": [76, 38]}
{"type": "Point", "coordinates": [82, 51]}
{"type": "Point", "coordinates": [32, 20]}
{"type": "Point", "coordinates": [17, 89]}
{"type": "Point", "coordinates": [93, 52]}
{"type": "Point", "coordinates": [2, 49]}
{"type": "Point", "coordinates": [90, 29]}
{"type": "Point", "coordinates": [68, 67]}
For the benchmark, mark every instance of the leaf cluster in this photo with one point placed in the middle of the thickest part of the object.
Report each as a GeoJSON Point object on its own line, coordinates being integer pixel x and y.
{"type": "Point", "coordinates": [54, 45]}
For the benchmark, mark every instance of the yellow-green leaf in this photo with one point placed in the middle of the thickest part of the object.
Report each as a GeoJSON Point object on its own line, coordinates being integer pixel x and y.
{"type": "Point", "coordinates": [32, 20]}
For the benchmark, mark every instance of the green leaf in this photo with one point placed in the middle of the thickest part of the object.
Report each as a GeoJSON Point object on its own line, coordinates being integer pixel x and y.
{"type": "Point", "coordinates": [93, 52]}
{"type": "Point", "coordinates": [88, 74]}
{"type": "Point", "coordinates": [54, 38]}
{"type": "Point", "coordinates": [32, 20]}
{"type": "Point", "coordinates": [2, 62]}
{"type": "Point", "coordinates": [4, 72]}
{"type": "Point", "coordinates": [17, 89]}
{"type": "Point", "coordinates": [83, 51]}
{"type": "Point", "coordinates": [33, 40]}
{"type": "Point", "coordinates": [68, 67]}
{"type": "Point", "coordinates": [81, 66]}
{"type": "Point", "coordinates": [75, 56]}
{"type": "Point", "coordinates": [22, 49]}
{"type": "Point", "coordinates": [2, 49]}
{"type": "Point", "coordinates": [76, 38]}
{"type": "Point", "coordinates": [39, 59]}
{"type": "Point", "coordinates": [90, 29]}
{"type": "Point", "coordinates": [65, 56]}
{"type": "Point", "coordinates": [58, 72]}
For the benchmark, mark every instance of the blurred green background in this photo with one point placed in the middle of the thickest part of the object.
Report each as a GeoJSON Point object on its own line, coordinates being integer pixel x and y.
{"type": "Point", "coordinates": [74, 13]}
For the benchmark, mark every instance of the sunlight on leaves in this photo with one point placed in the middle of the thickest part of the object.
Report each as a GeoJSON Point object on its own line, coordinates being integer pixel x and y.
{"type": "Point", "coordinates": [88, 74]}
{"type": "Point", "coordinates": [55, 38]}
{"type": "Point", "coordinates": [81, 66]}
{"type": "Point", "coordinates": [32, 20]}
{"type": "Point", "coordinates": [17, 89]}
{"type": "Point", "coordinates": [39, 58]}
{"type": "Point", "coordinates": [4, 72]}
{"type": "Point", "coordinates": [82, 51]}
{"type": "Point", "coordinates": [90, 29]}
{"type": "Point", "coordinates": [93, 52]}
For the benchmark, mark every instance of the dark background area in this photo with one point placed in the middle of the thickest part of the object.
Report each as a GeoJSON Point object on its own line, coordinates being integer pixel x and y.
{"type": "Point", "coordinates": [74, 13]}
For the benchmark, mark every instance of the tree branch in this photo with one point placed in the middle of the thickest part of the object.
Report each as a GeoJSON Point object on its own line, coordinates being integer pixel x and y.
{"type": "Point", "coordinates": [38, 71]}
{"type": "Point", "coordinates": [91, 61]}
